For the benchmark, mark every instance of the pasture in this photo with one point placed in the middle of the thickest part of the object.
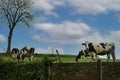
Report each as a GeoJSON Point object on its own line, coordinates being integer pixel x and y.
{"type": "Point", "coordinates": [38, 57]}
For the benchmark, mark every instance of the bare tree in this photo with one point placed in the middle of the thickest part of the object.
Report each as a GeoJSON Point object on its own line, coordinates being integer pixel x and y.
{"type": "Point", "coordinates": [14, 12]}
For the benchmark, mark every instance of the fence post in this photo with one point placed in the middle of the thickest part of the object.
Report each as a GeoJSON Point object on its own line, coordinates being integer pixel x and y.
{"type": "Point", "coordinates": [99, 67]}
{"type": "Point", "coordinates": [49, 72]}
{"type": "Point", "coordinates": [58, 56]}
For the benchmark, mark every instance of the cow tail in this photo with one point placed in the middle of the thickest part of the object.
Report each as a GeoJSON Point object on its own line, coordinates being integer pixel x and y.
{"type": "Point", "coordinates": [113, 53]}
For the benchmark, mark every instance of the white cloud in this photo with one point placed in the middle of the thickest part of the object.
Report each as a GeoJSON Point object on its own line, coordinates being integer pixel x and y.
{"type": "Point", "coordinates": [2, 38]}
{"type": "Point", "coordinates": [86, 7]}
{"type": "Point", "coordinates": [81, 6]}
{"type": "Point", "coordinates": [93, 37]}
{"type": "Point", "coordinates": [51, 13]}
{"type": "Point", "coordinates": [48, 6]}
{"type": "Point", "coordinates": [66, 28]}
{"type": "Point", "coordinates": [94, 7]}
{"type": "Point", "coordinates": [64, 33]}
{"type": "Point", "coordinates": [43, 5]}
{"type": "Point", "coordinates": [114, 36]}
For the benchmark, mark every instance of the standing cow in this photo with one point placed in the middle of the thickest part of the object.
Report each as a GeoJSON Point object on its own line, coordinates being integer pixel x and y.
{"type": "Point", "coordinates": [27, 52]}
{"type": "Point", "coordinates": [101, 49]}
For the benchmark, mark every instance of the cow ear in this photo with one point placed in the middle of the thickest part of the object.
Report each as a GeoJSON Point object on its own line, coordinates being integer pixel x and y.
{"type": "Point", "coordinates": [83, 43]}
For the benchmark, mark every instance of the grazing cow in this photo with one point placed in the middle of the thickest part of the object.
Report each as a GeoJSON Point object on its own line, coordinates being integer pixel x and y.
{"type": "Point", "coordinates": [82, 54]}
{"type": "Point", "coordinates": [15, 52]}
{"type": "Point", "coordinates": [27, 52]}
{"type": "Point", "coordinates": [101, 49]}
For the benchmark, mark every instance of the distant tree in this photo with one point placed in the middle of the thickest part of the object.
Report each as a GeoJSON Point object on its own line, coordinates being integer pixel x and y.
{"type": "Point", "coordinates": [14, 12]}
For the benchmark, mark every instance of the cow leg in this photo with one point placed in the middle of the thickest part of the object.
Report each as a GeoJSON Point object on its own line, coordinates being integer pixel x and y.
{"type": "Point", "coordinates": [97, 57]}
{"type": "Point", "coordinates": [18, 60]}
{"type": "Point", "coordinates": [83, 58]}
{"type": "Point", "coordinates": [31, 57]}
{"type": "Point", "coordinates": [113, 56]}
{"type": "Point", "coordinates": [92, 56]}
{"type": "Point", "coordinates": [108, 57]}
{"type": "Point", "coordinates": [14, 55]}
{"type": "Point", "coordinates": [22, 57]}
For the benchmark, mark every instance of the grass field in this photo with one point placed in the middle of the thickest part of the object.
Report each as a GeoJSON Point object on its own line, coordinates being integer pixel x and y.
{"type": "Point", "coordinates": [38, 57]}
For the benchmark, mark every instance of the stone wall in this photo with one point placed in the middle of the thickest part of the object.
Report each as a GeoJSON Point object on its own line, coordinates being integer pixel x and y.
{"type": "Point", "coordinates": [85, 71]}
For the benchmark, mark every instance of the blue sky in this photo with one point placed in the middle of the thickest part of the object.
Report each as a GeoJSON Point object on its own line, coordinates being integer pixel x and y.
{"type": "Point", "coordinates": [65, 24]}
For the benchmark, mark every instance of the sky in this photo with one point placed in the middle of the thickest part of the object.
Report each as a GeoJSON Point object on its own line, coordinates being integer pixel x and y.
{"type": "Point", "coordinates": [66, 24]}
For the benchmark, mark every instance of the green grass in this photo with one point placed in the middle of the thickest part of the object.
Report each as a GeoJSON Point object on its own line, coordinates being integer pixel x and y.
{"type": "Point", "coordinates": [37, 58]}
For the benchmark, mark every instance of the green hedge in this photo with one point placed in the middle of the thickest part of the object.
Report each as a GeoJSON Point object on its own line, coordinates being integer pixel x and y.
{"type": "Point", "coordinates": [22, 71]}
{"type": "Point", "coordinates": [25, 70]}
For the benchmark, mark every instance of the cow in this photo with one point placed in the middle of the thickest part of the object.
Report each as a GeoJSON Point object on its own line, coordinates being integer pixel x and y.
{"type": "Point", "coordinates": [15, 52]}
{"type": "Point", "coordinates": [101, 49]}
{"type": "Point", "coordinates": [27, 52]}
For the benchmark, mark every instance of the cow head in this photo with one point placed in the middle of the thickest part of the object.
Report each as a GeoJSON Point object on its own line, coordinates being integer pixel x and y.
{"type": "Point", "coordinates": [86, 44]}
{"type": "Point", "coordinates": [79, 55]}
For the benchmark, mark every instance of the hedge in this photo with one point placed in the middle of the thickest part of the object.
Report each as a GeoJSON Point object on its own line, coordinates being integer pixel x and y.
{"type": "Point", "coordinates": [25, 70]}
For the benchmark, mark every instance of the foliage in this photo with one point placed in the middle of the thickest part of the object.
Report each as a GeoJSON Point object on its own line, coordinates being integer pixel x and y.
{"type": "Point", "coordinates": [46, 60]}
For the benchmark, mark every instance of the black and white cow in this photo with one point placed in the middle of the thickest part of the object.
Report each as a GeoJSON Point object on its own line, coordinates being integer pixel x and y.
{"type": "Point", "coordinates": [100, 49]}
{"type": "Point", "coordinates": [15, 52]}
{"type": "Point", "coordinates": [27, 52]}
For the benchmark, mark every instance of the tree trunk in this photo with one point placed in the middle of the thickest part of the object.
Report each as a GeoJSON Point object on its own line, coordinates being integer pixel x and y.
{"type": "Point", "coordinates": [9, 40]}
